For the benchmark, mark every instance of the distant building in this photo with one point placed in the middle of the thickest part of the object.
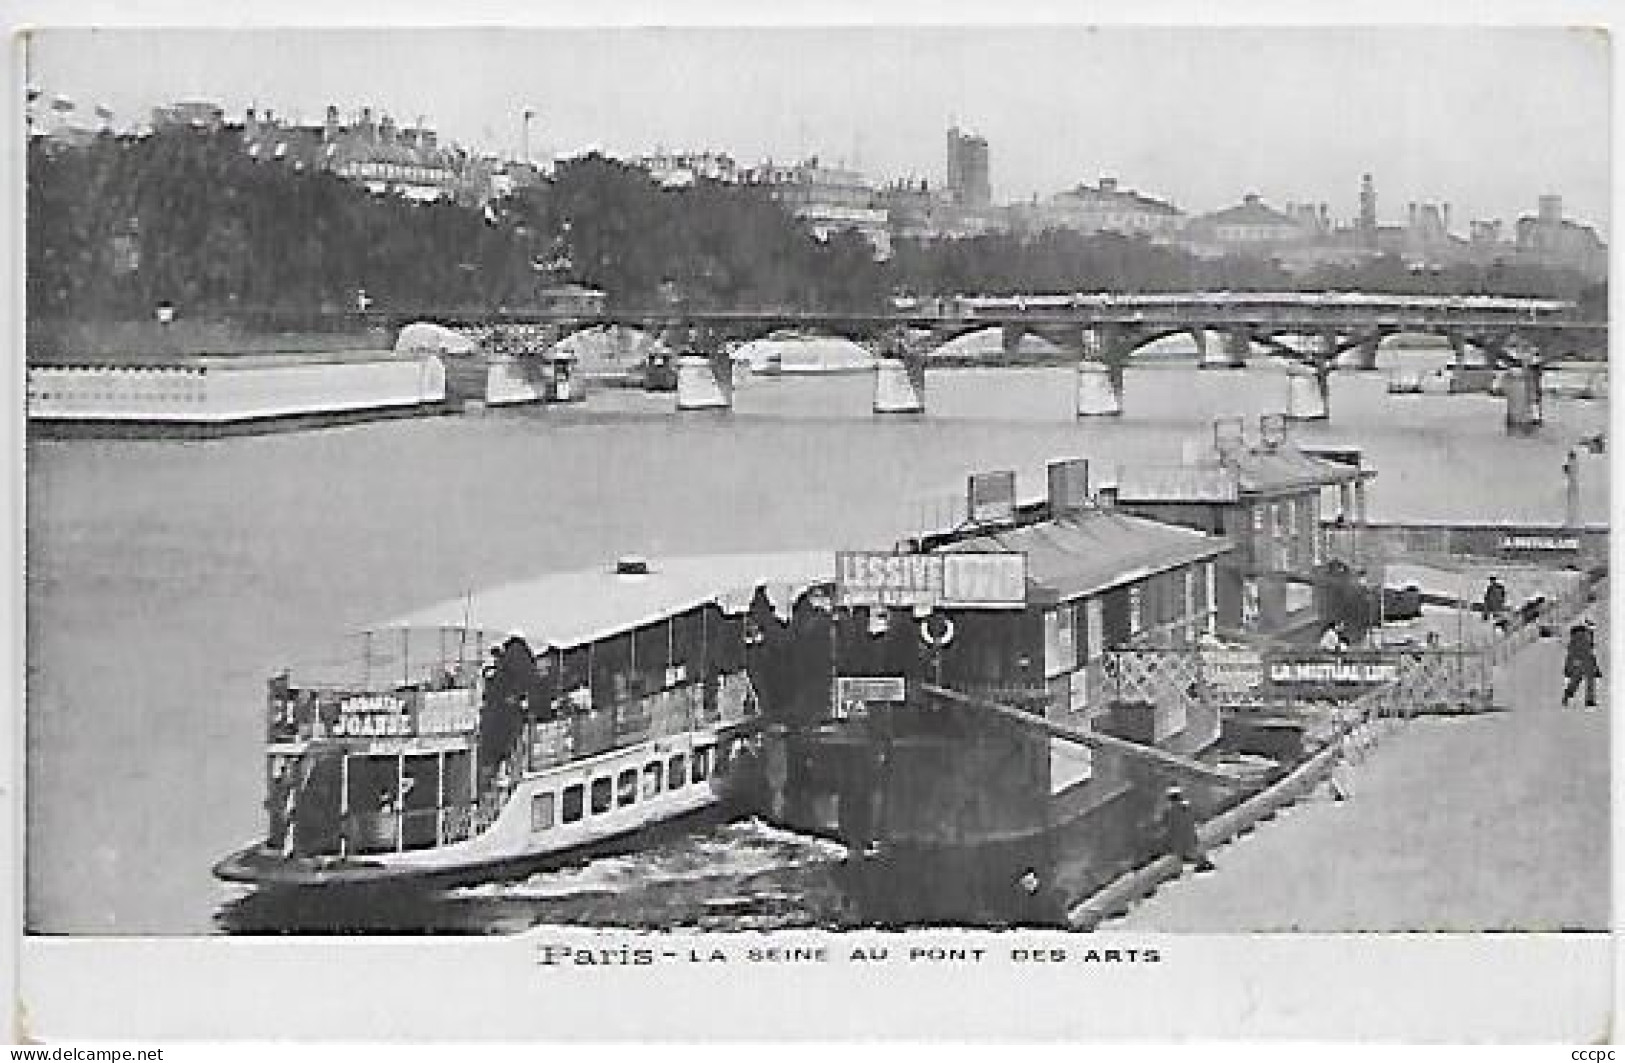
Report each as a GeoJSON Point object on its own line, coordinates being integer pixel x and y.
{"type": "Point", "coordinates": [1103, 208]}
{"type": "Point", "coordinates": [1550, 239]}
{"type": "Point", "coordinates": [197, 114]}
{"type": "Point", "coordinates": [828, 199]}
{"type": "Point", "coordinates": [683, 169]}
{"type": "Point", "coordinates": [1265, 497]}
{"type": "Point", "coordinates": [969, 183]}
{"type": "Point", "coordinates": [55, 121]}
{"type": "Point", "coordinates": [378, 154]}
{"type": "Point", "coordinates": [1368, 211]}
{"type": "Point", "coordinates": [915, 211]}
{"type": "Point", "coordinates": [1250, 226]}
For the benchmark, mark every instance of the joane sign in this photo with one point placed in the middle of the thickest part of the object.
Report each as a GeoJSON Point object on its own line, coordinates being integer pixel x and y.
{"type": "Point", "coordinates": [965, 581]}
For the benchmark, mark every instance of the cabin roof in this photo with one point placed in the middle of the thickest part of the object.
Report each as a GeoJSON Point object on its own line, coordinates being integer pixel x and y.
{"type": "Point", "coordinates": [566, 609]}
{"type": "Point", "coordinates": [1252, 472]}
{"type": "Point", "coordinates": [1266, 471]}
{"type": "Point", "coordinates": [1091, 551]}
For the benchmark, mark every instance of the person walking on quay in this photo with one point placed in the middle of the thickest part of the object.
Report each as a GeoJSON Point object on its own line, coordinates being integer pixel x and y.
{"type": "Point", "coordinates": [1580, 664]}
{"type": "Point", "coordinates": [1495, 599]}
{"type": "Point", "coordinates": [1179, 831]}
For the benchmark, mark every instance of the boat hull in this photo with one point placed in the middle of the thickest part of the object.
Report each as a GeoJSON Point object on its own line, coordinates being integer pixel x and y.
{"type": "Point", "coordinates": [253, 865]}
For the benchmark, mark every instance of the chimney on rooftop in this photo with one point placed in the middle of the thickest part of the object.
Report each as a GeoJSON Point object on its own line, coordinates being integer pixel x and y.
{"type": "Point", "coordinates": [1068, 486]}
{"type": "Point", "coordinates": [1272, 431]}
{"type": "Point", "coordinates": [1229, 438]}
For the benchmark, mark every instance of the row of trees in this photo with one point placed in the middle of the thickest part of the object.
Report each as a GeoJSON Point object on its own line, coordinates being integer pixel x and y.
{"type": "Point", "coordinates": [188, 217]}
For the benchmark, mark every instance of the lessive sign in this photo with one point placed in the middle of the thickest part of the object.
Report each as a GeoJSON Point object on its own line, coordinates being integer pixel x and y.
{"type": "Point", "coordinates": [965, 581]}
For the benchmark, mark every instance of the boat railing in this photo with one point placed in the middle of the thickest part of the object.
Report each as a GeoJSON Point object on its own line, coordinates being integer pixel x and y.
{"type": "Point", "coordinates": [722, 701]}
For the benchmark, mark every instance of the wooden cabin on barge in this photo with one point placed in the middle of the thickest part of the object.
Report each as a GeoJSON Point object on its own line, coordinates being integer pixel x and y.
{"type": "Point", "coordinates": [937, 756]}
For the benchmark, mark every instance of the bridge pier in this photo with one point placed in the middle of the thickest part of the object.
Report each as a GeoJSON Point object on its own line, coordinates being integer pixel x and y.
{"type": "Point", "coordinates": [1103, 354]}
{"type": "Point", "coordinates": [1010, 335]}
{"type": "Point", "coordinates": [899, 384]}
{"type": "Point", "coordinates": [1308, 393]}
{"type": "Point", "coordinates": [705, 381]}
{"type": "Point", "coordinates": [1100, 390]}
{"type": "Point", "coordinates": [1521, 387]}
{"type": "Point", "coordinates": [1230, 354]}
{"type": "Point", "coordinates": [1366, 357]}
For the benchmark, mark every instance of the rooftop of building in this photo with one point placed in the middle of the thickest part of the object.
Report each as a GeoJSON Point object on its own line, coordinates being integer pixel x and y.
{"type": "Point", "coordinates": [1108, 191]}
{"type": "Point", "coordinates": [1250, 211]}
{"type": "Point", "coordinates": [1247, 470]}
{"type": "Point", "coordinates": [1088, 551]}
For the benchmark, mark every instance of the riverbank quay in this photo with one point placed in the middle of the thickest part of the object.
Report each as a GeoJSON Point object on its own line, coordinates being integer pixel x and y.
{"type": "Point", "coordinates": [1482, 822]}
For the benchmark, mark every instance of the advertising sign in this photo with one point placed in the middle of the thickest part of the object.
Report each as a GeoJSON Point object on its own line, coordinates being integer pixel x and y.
{"type": "Point", "coordinates": [446, 712]}
{"type": "Point", "coordinates": [926, 581]}
{"type": "Point", "coordinates": [372, 716]}
{"type": "Point", "coordinates": [903, 580]}
{"type": "Point", "coordinates": [1540, 544]}
{"type": "Point", "coordinates": [1233, 673]}
{"type": "Point", "coordinates": [985, 581]}
{"type": "Point", "coordinates": [1331, 675]}
{"type": "Point", "coordinates": [888, 688]}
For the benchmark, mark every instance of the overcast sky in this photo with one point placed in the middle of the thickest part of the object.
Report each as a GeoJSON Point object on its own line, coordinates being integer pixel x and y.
{"type": "Point", "coordinates": [1485, 119]}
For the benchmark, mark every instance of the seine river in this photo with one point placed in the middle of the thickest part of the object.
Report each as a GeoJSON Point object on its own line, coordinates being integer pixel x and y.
{"type": "Point", "coordinates": [165, 580]}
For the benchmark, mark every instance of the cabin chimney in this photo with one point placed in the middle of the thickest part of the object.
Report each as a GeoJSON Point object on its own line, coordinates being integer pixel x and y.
{"type": "Point", "coordinates": [1229, 438]}
{"type": "Point", "coordinates": [1272, 431]}
{"type": "Point", "coordinates": [1068, 486]}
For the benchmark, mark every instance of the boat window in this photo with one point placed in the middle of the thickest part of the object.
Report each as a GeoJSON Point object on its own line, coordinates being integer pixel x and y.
{"type": "Point", "coordinates": [677, 774]}
{"type": "Point", "coordinates": [541, 811]}
{"type": "Point", "coordinates": [572, 803]}
{"type": "Point", "coordinates": [626, 787]}
{"type": "Point", "coordinates": [702, 763]}
{"type": "Point", "coordinates": [600, 796]}
{"type": "Point", "coordinates": [653, 775]}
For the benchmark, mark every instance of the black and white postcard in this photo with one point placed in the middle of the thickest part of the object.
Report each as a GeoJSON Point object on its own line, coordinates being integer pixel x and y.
{"type": "Point", "coordinates": [940, 524]}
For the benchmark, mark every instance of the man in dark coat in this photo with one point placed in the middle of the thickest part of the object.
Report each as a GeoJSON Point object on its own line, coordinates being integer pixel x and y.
{"type": "Point", "coordinates": [1495, 599]}
{"type": "Point", "coordinates": [1580, 664]}
{"type": "Point", "coordinates": [1179, 831]}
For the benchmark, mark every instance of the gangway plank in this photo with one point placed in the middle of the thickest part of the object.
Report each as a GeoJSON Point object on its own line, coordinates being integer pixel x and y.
{"type": "Point", "coordinates": [1159, 759]}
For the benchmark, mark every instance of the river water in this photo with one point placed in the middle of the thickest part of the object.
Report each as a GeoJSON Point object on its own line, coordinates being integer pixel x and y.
{"type": "Point", "coordinates": [166, 579]}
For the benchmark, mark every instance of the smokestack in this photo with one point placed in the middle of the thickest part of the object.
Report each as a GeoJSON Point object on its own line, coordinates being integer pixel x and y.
{"type": "Point", "coordinates": [1410, 213]}
{"type": "Point", "coordinates": [1068, 486]}
{"type": "Point", "coordinates": [1272, 431]}
{"type": "Point", "coordinates": [1229, 438]}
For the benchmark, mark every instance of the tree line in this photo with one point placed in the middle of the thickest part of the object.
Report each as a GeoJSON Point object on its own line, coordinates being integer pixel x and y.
{"type": "Point", "coordinates": [184, 216]}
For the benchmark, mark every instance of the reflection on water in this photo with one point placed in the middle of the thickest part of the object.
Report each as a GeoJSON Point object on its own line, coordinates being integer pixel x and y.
{"type": "Point", "coordinates": [740, 876]}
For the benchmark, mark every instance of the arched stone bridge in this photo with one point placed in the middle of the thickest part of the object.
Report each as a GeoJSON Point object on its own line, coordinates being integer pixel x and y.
{"type": "Point", "coordinates": [1314, 331]}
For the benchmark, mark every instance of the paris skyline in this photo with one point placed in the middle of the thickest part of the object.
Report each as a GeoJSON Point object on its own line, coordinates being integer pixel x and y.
{"type": "Point", "coordinates": [1487, 119]}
